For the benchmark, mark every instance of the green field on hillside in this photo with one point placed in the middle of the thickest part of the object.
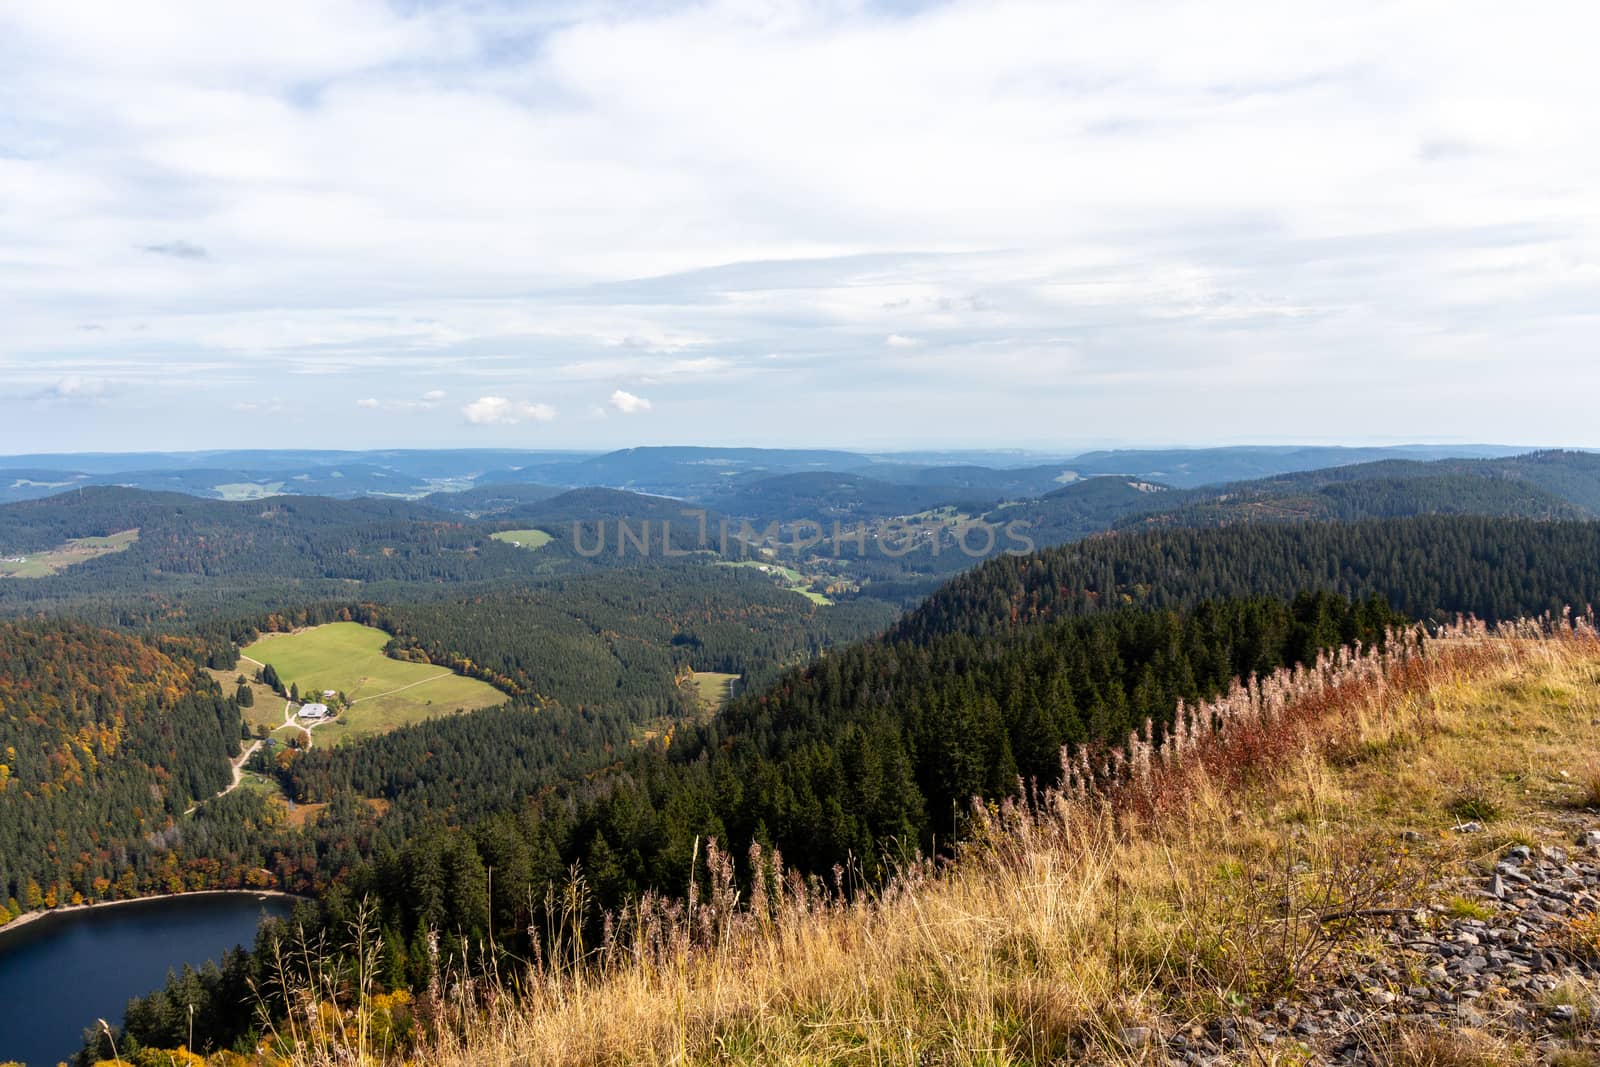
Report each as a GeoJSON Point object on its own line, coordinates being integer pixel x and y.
{"type": "Point", "coordinates": [713, 688]}
{"type": "Point", "coordinates": [787, 577]}
{"type": "Point", "coordinates": [384, 693]}
{"type": "Point", "coordinates": [523, 538]}
{"type": "Point", "coordinates": [53, 560]}
{"type": "Point", "coordinates": [248, 490]}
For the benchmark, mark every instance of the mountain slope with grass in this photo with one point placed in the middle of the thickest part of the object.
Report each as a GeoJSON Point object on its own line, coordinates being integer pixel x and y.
{"type": "Point", "coordinates": [853, 765]}
{"type": "Point", "coordinates": [1385, 859]}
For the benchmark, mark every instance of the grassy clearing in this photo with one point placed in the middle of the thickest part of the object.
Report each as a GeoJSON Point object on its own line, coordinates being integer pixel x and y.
{"type": "Point", "coordinates": [1205, 894]}
{"type": "Point", "coordinates": [712, 689]}
{"type": "Point", "coordinates": [268, 707]}
{"type": "Point", "coordinates": [248, 490]}
{"type": "Point", "coordinates": [787, 577]}
{"type": "Point", "coordinates": [384, 693]}
{"type": "Point", "coordinates": [54, 560]}
{"type": "Point", "coordinates": [522, 538]}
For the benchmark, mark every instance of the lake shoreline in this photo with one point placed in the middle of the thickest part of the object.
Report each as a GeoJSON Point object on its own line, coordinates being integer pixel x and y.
{"type": "Point", "coordinates": [31, 918]}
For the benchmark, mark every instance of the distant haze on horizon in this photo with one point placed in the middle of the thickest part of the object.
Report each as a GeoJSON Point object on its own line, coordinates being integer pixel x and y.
{"type": "Point", "coordinates": [876, 224]}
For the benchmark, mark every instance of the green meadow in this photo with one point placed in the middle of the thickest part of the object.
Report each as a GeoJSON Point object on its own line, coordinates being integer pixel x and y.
{"type": "Point", "coordinates": [787, 577]}
{"type": "Point", "coordinates": [53, 560]}
{"type": "Point", "coordinates": [713, 688]}
{"type": "Point", "coordinates": [523, 538]}
{"type": "Point", "coordinates": [384, 693]}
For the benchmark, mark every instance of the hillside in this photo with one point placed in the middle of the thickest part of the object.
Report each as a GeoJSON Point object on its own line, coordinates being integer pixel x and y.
{"type": "Point", "coordinates": [852, 763]}
{"type": "Point", "coordinates": [104, 742]}
{"type": "Point", "coordinates": [1085, 507]}
{"type": "Point", "coordinates": [1384, 861]}
{"type": "Point", "coordinates": [282, 537]}
{"type": "Point", "coordinates": [210, 559]}
{"type": "Point", "coordinates": [492, 499]}
{"type": "Point", "coordinates": [1212, 466]}
{"type": "Point", "coordinates": [826, 496]}
{"type": "Point", "coordinates": [1547, 485]}
{"type": "Point", "coordinates": [1426, 567]}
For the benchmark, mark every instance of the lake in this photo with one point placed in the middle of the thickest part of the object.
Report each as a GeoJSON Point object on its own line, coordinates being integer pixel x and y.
{"type": "Point", "coordinates": [61, 973]}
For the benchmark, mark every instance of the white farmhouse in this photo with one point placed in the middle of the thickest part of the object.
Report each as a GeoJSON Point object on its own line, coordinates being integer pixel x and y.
{"type": "Point", "coordinates": [314, 711]}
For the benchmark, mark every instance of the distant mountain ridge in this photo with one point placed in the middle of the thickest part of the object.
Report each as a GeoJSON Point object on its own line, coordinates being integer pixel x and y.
{"type": "Point", "coordinates": [698, 473]}
{"type": "Point", "coordinates": [324, 543]}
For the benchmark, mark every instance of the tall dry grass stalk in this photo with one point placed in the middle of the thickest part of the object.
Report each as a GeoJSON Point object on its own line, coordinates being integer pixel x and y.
{"type": "Point", "coordinates": [1155, 888]}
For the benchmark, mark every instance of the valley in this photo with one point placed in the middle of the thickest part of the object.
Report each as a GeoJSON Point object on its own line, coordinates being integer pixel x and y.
{"type": "Point", "coordinates": [893, 533]}
{"type": "Point", "coordinates": [500, 700]}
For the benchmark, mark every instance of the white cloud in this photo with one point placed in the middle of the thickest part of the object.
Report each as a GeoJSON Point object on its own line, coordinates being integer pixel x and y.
{"type": "Point", "coordinates": [427, 402]}
{"type": "Point", "coordinates": [629, 404]}
{"type": "Point", "coordinates": [500, 411]}
{"type": "Point", "coordinates": [75, 388]}
{"type": "Point", "coordinates": [273, 406]}
{"type": "Point", "coordinates": [1102, 197]}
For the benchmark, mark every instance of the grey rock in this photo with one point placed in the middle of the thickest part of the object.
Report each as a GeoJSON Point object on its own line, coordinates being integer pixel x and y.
{"type": "Point", "coordinates": [1135, 1036]}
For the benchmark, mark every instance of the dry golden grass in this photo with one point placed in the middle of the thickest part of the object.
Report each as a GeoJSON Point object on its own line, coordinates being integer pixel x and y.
{"type": "Point", "coordinates": [1220, 885]}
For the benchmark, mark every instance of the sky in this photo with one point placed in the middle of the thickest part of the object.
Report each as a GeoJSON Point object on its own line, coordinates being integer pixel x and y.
{"type": "Point", "coordinates": [348, 223]}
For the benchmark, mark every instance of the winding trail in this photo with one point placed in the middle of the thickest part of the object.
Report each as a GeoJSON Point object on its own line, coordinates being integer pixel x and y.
{"type": "Point", "coordinates": [238, 776]}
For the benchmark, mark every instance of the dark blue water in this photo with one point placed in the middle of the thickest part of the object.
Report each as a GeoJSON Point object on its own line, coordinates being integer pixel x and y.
{"type": "Point", "coordinates": [61, 973]}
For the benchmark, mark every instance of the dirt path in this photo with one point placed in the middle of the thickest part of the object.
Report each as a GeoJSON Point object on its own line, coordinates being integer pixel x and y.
{"type": "Point", "coordinates": [238, 775]}
{"type": "Point", "coordinates": [288, 720]}
{"type": "Point", "coordinates": [403, 688]}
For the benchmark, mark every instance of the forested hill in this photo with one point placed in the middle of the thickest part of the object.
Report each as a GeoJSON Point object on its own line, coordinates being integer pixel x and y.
{"type": "Point", "coordinates": [1085, 507]}
{"type": "Point", "coordinates": [104, 740]}
{"type": "Point", "coordinates": [873, 742]}
{"type": "Point", "coordinates": [883, 744]}
{"type": "Point", "coordinates": [1004, 665]}
{"type": "Point", "coordinates": [222, 558]}
{"type": "Point", "coordinates": [282, 537]}
{"type": "Point", "coordinates": [867, 752]}
{"type": "Point", "coordinates": [1550, 485]}
{"type": "Point", "coordinates": [100, 510]}
{"type": "Point", "coordinates": [1572, 476]}
{"type": "Point", "coordinates": [876, 748]}
{"type": "Point", "coordinates": [822, 496]}
{"type": "Point", "coordinates": [1372, 498]}
{"type": "Point", "coordinates": [1425, 567]}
